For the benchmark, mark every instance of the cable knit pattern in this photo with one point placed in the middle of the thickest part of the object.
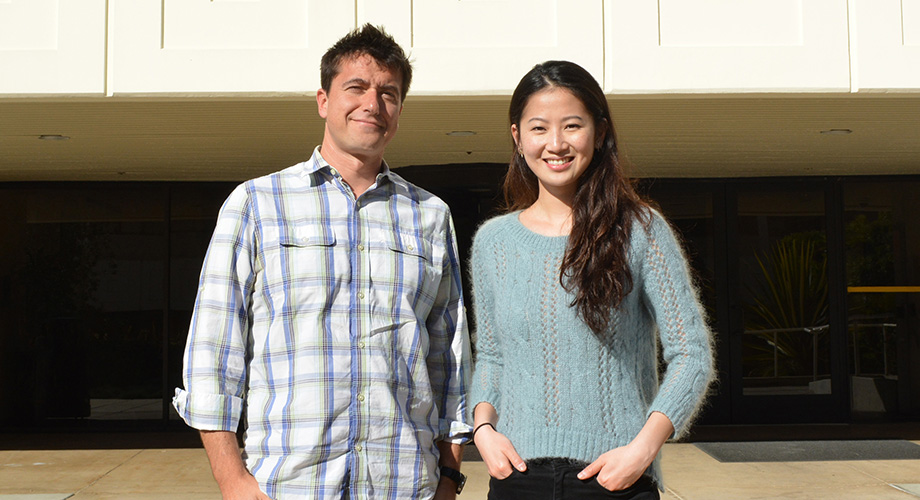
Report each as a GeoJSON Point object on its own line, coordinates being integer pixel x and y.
{"type": "Point", "coordinates": [559, 389]}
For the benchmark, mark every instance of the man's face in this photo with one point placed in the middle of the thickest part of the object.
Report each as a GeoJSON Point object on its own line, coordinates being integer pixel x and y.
{"type": "Point", "coordinates": [361, 108]}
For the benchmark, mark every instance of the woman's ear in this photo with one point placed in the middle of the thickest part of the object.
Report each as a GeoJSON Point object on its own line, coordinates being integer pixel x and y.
{"type": "Point", "coordinates": [601, 134]}
{"type": "Point", "coordinates": [516, 136]}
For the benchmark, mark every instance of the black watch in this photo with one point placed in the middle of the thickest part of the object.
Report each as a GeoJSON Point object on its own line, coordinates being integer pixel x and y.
{"type": "Point", "coordinates": [455, 476]}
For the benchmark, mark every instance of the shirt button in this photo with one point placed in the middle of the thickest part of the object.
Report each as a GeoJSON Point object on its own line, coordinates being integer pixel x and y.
{"type": "Point", "coordinates": [410, 248]}
{"type": "Point", "coordinates": [360, 248]}
{"type": "Point", "coordinates": [360, 345]}
{"type": "Point", "coordinates": [360, 295]}
{"type": "Point", "coordinates": [358, 447]}
{"type": "Point", "coordinates": [361, 397]}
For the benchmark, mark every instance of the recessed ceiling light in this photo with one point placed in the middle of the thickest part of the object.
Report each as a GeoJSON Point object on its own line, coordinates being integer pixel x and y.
{"type": "Point", "coordinates": [837, 131]}
{"type": "Point", "coordinates": [53, 137]}
{"type": "Point", "coordinates": [461, 133]}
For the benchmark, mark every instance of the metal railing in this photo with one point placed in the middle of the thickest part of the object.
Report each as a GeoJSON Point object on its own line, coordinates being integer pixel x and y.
{"type": "Point", "coordinates": [814, 331]}
{"type": "Point", "coordinates": [857, 350]}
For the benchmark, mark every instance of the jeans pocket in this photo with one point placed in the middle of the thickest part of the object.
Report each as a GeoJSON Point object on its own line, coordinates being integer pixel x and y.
{"type": "Point", "coordinates": [534, 484]}
{"type": "Point", "coordinates": [505, 489]}
{"type": "Point", "coordinates": [643, 489]}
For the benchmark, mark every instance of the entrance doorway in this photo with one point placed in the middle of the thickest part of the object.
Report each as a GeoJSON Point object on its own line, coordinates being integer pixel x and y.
{"type": "Point", "coordinates": [810, 287]}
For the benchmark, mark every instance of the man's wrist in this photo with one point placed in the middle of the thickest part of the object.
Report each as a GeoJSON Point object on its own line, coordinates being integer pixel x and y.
{"type": "Point", "coordinates": [454, 475]}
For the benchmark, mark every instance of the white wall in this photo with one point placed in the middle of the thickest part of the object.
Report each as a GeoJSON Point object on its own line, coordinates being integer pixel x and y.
{"type": "Point", "coordinates": [885, 38]}
{"type": "Point", "coordinates": [260, 47]}
{"type": "Point", "coordinates": [727, 46]}
{"type": "Point", "coordinates": [52, 47]}
{"type": "Point", "coordinates": [200, 46]}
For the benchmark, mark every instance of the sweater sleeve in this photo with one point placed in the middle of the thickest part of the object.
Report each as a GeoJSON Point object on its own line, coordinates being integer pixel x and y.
{"type": "Point", "coordinates": [684, 334]}
{"type": "Point", "coordinates": [488, 361]}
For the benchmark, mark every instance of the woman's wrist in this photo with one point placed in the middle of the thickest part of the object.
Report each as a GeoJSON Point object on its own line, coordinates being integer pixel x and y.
{"type": "Point", "coordinates": [644, 448]}
{"type": "Point", "coordinates": [479, 427]}
{"type": "Point", "coordinates": [653, 435]}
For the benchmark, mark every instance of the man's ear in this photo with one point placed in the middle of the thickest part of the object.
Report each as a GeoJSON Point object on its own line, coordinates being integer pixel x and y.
{"type": "Point", "coordinates": [322, 100]}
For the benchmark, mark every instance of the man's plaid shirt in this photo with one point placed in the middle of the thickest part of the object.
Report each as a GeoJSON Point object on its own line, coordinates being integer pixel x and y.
{"type": "Point", "coordinates": [335, 329]}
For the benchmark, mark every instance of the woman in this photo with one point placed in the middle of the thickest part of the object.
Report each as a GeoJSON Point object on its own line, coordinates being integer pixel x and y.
{"type": "Point", "coordinates": [573, 289]}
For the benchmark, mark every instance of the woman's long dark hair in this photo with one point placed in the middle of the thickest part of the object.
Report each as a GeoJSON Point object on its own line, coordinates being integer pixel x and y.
{"type": "Point", "coordinates": [606, 204]}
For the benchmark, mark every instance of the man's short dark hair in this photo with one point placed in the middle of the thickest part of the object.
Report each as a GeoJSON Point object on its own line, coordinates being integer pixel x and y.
{"type": "Point", "coordinates": [373, 41]}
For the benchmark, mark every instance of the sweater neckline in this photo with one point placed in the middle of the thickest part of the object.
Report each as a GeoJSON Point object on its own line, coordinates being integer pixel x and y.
{"type": "Point", "coordinates": [527, 237]}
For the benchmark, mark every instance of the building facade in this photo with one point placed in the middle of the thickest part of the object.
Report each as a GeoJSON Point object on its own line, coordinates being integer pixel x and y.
{"type": "Point", "coordinates": [782, 138]}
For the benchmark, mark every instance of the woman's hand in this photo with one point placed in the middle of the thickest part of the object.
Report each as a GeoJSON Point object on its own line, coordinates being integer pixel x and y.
{"type": "Point", "coordinates": [498, 453]}
{"type": "Point", "coordinates": [619, 468]}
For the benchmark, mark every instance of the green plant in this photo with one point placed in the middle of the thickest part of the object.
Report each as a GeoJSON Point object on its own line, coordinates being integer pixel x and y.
{"type": "Point", "coordinates": [788, 307]}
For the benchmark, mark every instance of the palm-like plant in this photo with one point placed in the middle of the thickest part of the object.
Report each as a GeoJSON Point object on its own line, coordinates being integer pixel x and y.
{"type": "Point", "coordinates": [788, 298]}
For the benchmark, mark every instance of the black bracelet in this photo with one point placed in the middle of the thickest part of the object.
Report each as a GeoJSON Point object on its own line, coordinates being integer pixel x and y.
{"type": "Point", "coordinates": [480, 426]}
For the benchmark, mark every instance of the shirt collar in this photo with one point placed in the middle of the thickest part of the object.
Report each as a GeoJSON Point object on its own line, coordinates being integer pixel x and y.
{"type": "Point", "coordinates": [319, 164]}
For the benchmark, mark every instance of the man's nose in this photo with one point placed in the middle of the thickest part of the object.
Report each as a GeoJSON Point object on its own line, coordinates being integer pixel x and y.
{"type": "Point", "coordinates": [372, 101]}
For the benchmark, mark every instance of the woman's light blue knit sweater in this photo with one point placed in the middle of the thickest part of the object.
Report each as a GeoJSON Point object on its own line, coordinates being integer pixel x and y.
{"type": "Point", "coordinates": [559, 389]}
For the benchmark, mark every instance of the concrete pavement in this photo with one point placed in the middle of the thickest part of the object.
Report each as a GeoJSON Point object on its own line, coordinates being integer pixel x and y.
{"type": "Point", "coordinates": [150, 473]}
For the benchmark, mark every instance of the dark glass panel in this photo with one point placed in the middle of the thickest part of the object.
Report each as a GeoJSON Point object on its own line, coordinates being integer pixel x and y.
{"type": "Point", "coordinates": [883, 283]}
{"type": "Point", "coordinates": [782, 249]}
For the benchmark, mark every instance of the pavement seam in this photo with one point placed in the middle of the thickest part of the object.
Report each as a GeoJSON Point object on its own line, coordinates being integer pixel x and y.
{"type": "Point", "coordinates": [673, 493]}
{"type": "Point", "coordinates": [104, 475]}
{"type": "Point", "coordinates": [880, 480]}
{"type": "Point", "coordinates": [867, 474]}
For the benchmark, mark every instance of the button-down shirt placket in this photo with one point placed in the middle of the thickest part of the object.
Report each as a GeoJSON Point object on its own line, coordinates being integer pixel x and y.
{"type": "Point", "coordinates": [358, 326]}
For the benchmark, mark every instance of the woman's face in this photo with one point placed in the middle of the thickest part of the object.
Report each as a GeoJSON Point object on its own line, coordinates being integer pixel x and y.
{"type": "Point", "coordinates": [557, 137]}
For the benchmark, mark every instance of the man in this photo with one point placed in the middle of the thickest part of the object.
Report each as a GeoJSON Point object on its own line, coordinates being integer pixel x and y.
{"type": "Point", "coordinates": [329, 316]}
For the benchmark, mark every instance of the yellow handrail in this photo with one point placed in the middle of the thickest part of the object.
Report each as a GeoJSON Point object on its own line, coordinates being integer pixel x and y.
{"type": "Point", "coordinates": [883, 289]}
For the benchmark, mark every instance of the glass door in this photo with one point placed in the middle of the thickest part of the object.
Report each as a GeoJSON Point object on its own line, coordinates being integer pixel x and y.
{"type": "Point", "coordinates": [882, 236]}
{"type": "Point", "coordinates": [812, 288]}
{"type": "Point", "coordinates": [782, 329]}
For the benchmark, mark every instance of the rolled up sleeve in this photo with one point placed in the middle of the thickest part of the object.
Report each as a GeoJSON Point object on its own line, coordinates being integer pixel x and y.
{"type": "Point", "coordinates": [215, 362]}
{"type": "Point", "coordinates": [449, 363]}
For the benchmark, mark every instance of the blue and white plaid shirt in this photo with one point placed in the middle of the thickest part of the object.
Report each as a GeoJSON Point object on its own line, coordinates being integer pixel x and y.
{"type": "Point", "coordinates": [335, 327]}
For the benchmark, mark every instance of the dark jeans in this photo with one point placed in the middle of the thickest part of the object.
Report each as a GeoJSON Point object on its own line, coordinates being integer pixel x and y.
{"type": "Point", "coordinates": [557, 479]}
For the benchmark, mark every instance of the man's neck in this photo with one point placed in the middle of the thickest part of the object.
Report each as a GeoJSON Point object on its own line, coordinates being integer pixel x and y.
{"type": "Point", "coordinates": [359, 173]}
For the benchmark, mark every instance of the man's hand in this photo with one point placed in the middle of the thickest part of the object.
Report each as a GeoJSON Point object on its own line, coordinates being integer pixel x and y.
{"type": "Point", "coordinates": [233, 479]}
{"type": "Point", "coordinates": [243, 488]}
